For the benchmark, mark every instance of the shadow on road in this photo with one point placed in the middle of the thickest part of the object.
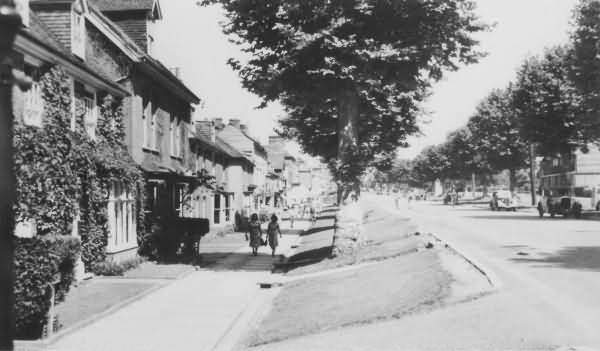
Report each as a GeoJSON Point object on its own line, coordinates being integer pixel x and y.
{"type": "Point", "coordinates": [519, 217]}
{"type": "Point", "coordinates": [586, 258]}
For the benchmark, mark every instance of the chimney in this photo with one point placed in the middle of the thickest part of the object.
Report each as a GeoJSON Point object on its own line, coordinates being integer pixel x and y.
{"type": "Point", "coordinates": [206, 129]}
{"type": "Point", "coordinates": [276, 142]}
{"type": "Point", "coordinates": [218, 122]}
{"type": "Point", "coordinates": [176, 72]}
{"type": "Point", "coordinates": [244, 128]}
{"type": "Point", "coordinates": [234, 122]}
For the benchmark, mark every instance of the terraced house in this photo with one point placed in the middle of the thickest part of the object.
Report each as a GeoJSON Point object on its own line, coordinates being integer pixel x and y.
{"type": "Point", "coordinates": [157, 110]}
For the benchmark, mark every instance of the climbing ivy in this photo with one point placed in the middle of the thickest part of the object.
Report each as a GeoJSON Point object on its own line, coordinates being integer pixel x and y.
{"type": "Point", "coordinates": [63, 173]}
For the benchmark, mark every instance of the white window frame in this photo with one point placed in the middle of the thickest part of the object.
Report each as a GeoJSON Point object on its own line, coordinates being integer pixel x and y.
{"type": "Point", "coordinates": [33, 105]}
{"type": "Point", "coordinates": [154, 129]}
{"type": "Point", "coordinates": [121, 219]}
{"type": "Point", "coordinates": [147, 126]}
{"type": "Point", "coordinates": [77, 32]}
{"type": "Point", "coordinates": [179, 199]}
{"type": "Point", "coordinates": [90, 116]}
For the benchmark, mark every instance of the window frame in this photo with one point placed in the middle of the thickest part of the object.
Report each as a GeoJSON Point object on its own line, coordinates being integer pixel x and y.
{"type": "Point", "coordinates": [78, 32]}
{"type": "Point", "coordinates": [122, 233]}
{"type": "Point", "coordinates": [33, 105]}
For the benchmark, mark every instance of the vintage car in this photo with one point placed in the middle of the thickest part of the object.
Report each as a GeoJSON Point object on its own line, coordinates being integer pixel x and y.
{"type": "Point", "coordinates": [569, 201]}
{"type": "Point", "coordinates": [503, 200]}
{"type": "Point", "coordinates": [562, 205]}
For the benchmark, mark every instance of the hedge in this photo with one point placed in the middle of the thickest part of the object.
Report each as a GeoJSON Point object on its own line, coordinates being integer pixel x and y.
{"type": "Point", "coordinates": [37, 261]}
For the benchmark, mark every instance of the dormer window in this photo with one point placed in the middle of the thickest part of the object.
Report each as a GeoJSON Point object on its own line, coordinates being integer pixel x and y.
{"type": "Point", "coordinates": [78, 31]}
{"type": "Point", "coordinates": [22, 7]}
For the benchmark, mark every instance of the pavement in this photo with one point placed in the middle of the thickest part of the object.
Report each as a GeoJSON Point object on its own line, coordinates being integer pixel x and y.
{"type": "Point", "coordinates": [200, 311]}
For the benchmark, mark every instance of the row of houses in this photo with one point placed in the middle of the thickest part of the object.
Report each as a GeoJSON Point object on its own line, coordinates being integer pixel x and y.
{"type": "Point", "coordinates": [207, 169]}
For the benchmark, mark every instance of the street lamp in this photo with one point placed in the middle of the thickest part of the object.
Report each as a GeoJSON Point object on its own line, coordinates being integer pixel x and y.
{"type": "Point", "coordinates": [10, 22]}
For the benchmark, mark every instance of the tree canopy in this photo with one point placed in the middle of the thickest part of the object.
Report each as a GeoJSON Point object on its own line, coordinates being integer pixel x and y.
{"type": "Point", "coordinates": [548, 104]}
{"type": "Point", "coordinates": [496, 134]}
{"type": "Point", "coordinates": [354, 70]}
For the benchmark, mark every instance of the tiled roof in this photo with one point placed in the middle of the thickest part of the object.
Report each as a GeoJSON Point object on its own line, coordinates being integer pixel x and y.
{"type": "Point", "coordinates": [228, 149]}
{"type": "Point", "coordinates": [38, 29]}
{"type": "Point", "coordinates": [123, 5]}
{"type": "Point", "coordinates": [40, 33]}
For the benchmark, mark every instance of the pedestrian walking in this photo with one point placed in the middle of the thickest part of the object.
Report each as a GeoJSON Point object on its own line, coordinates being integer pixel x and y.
{"type": "Point", "coordinates": [254, 233]}
{"type": "Point", "coordinates": [313, 214]}
{"type": "Point", "coordinates": [272, 231]}
{"type": "Point", "coordinates": [292, 214]}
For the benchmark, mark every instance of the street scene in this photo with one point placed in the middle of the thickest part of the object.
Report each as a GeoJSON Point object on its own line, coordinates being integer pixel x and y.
{"type": "Point", "coordinates": [222, 175]}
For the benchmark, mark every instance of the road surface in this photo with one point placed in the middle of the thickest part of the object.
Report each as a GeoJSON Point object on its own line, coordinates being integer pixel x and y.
{"type": "Point", "coordinates": [547, 277]}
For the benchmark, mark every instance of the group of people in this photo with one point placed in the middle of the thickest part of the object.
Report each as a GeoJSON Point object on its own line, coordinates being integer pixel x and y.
{"type": "Point", "coordinates": [301, 211]}
{"type": "Point", "coordinates": [255, 234]}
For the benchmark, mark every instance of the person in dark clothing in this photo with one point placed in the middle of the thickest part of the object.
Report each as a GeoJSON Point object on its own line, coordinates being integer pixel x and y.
{"type": "Point", "coordinates": [272, 231]}
{"type": "Point", "coordinates": [254, 232]}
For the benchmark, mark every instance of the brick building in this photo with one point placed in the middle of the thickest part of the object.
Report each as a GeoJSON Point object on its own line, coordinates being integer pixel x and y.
{"type": "Point", "coordinates": [157, 110]}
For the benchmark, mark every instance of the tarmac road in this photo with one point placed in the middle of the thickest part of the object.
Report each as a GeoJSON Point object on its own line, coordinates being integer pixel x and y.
{"type": "Point", "coordinates": [547, 278]}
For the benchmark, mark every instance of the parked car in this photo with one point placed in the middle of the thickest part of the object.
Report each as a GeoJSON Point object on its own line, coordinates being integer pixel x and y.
{"type": "Point", "coordinates": [503, 200]}
{"type": "Point", "coordinates": [563, 205]}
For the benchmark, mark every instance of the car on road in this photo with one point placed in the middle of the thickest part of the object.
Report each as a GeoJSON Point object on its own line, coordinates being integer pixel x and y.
{"type": "Point", "coordinates": [562, 205]}
{"type": "Point", "coordinates": [504, 200]}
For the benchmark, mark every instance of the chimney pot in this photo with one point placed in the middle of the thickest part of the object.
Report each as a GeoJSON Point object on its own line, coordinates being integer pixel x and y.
{"type": "Point", "coordinates": [234, 122]}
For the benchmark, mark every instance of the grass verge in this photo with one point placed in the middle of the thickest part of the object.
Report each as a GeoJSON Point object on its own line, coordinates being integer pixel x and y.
{"type": "Point", "coordinates": [389, 289]}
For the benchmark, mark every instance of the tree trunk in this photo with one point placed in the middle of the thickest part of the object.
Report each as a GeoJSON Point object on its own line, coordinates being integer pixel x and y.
{"type": "Point", "coordinates": [349, 217]}
{"type": "Point", "coordinates": [532, 173]}
{"type": "Point", "coordinates": [512, 179]}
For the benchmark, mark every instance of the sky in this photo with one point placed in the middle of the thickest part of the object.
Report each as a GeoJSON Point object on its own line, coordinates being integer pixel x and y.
{"type": "Point", "coordinates": [190, 37]}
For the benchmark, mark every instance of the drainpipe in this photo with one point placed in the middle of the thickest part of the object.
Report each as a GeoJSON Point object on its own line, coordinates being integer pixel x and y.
{"type": "Point", "coordinates": [10, 22]}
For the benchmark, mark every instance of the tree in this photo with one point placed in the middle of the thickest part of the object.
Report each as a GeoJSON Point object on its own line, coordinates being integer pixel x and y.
{"type": "Point", "coordinates": [495, 131]}
{"type": "Point", "coordinates": [464, 157]}
{"type": "Point", "coordinates": [351, 74]}
{"type": "Point", "coordinates": [548, 105]}
{"type": "Point", "coordinates": [431, 164]}
{"type": "Point", "coordinates": [584, 68]}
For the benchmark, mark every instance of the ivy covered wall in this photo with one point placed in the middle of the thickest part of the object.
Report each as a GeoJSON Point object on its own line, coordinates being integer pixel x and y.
{"type": "Point", "coordinates": [63, 173]}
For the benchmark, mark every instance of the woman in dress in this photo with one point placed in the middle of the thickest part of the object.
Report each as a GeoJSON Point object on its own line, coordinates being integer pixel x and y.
{"type": "Point", "coordinates": [255, 233]}
{"type": "Point", "coordinates": [272, 231]}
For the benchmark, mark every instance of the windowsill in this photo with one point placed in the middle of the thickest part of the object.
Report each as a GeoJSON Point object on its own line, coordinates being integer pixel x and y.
{"type": "Point", "coordinates": [148, 149]}
{"type": "Point", "coordinates": [120, 248]}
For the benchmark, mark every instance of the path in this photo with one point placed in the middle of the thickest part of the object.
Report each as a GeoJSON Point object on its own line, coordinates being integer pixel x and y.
{"type": "Point", "coordinates": [194, 313]}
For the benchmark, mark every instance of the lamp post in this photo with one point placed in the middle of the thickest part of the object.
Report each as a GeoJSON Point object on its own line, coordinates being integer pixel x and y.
{"type": "Point", "coordinates": [10, 22]}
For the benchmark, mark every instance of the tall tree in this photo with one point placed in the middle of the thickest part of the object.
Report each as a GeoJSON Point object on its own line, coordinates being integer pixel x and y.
{"type": "Point", "coordinates": [350, 73]}
{"type": "Point", "coordinates": [547, 103]}
{"type": "Point", "coordinates": [495, 130]}
{"type": "Point", "coordinates": [464, 157]}
{"type": "Point", "coordinates": [431, 164]}
{"type": "Point", "coordinates": [584, 68]}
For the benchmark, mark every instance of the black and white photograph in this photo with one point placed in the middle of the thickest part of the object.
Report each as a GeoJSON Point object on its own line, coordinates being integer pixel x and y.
{"type": "Point", "coordinates": [282, 175]}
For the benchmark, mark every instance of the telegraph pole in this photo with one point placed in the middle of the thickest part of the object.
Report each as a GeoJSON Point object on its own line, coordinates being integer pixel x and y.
{"type": "Point", "coordinates": [532, 172]}
{"type": "Point", "coordinates": [10, 23]}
